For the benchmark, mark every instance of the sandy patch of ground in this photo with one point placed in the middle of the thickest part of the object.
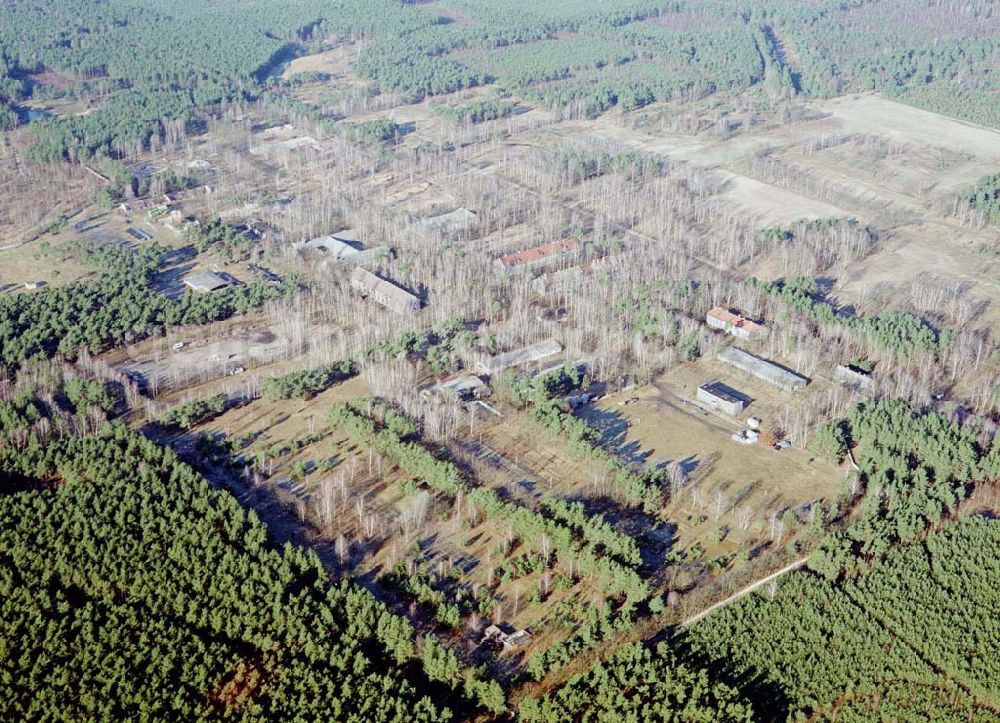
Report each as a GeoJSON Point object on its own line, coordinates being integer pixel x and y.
{"type": "Point", "coordinates": [877, 115]}
{"type": "Point", "coordinates": [774, 205]}
{"type": "Point", "coordinates": [336, 61]}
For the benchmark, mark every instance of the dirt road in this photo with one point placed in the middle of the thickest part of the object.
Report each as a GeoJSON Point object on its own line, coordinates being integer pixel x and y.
{"type": "Point", "coordinates": [745, 591]}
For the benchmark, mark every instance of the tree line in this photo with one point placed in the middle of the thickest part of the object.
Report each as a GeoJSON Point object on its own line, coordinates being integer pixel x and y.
{"type": "Point", "coordinates": [536, 530]}
{"type": "Point", "coordinates": [120, 305]}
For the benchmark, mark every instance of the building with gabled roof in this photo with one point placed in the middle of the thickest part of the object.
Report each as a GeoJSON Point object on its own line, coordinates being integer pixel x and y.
{"type": "Point", "coordinates": [447, 222]}
{"type": "Point", "coordinates": [343, 249]}
{"type": "Point", "coordinates": [767, 371]}
{"type": "Point", "coordinates": [735, 324]}
{"type": "Point", "coordinates": [383, 291]}
{"type": "Point", "coordinates": [536, 256]}
{"type": "Point", "coordinates": [335, 245]}
{"type": "Point", "coordinates": [524, 355]}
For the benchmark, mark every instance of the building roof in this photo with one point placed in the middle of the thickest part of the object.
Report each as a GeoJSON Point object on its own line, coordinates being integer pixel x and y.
{"type": "Point", "coordinates": [206, 281]}
{"type": "Point", "coordinates": [524, 355]}
{"type": "Point", "coordinates": [737, 320]}
{"type": "Point", "coordinates": [462, 383]}
{"type": "Point", "coordinates": [847, 374]}
{"type": "Point", "coordinates": [724, 392]}
{"type": "Point", "coordinates": [762, 369]}
{"type": "Point", "coordinates": [394, 295]}
{"type": "Point", "coordinates": [537, 253]}
{"type": "Point", "coordinates": [446, 221]}
{"type": "Point", "coordinates": [338, 245]}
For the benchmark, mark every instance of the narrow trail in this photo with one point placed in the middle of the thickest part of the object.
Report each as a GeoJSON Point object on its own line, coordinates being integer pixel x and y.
{"type": "Point", "coordinates": [743, 592]}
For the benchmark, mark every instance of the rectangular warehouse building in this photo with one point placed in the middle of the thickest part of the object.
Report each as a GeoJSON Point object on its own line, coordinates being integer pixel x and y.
{"type": "Point", "coordinates": [384, 292]}
{"type": "Point", "coordinates": [537, 256]}
{"type": "Point", "coordinates": [770, 372]}
{"type": "Point", "coordinates": [525, 355]}
{"type": "Point", "coordinates": [723, 398]}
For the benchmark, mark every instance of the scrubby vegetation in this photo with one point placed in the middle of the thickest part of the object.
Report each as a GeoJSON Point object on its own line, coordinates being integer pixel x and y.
{"type": "Point", "coordinates": [897, 331]}
{"type": "Point", "coordinates": [522, 505]}
{"type": "Point", "coordinates": [537, 531]}
{"type": "Point", "coordinates": [195, 412]}
{"type": "Point", "coordinates": [305, 383]}
{"type": "Point", "coordinates": [985, 198]}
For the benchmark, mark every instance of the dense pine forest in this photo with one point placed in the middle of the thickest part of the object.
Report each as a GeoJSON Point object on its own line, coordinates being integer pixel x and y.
{"type": "Point", "coordinates": [628, 53]}
{"type": "Point", "coordinates": [883, 643]}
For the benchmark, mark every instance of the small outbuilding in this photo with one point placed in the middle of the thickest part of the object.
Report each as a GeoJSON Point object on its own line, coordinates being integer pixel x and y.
{"type": "Point", "coordinates": [206, 281]}
{"type": "Point", "coordinates": [496, 636]}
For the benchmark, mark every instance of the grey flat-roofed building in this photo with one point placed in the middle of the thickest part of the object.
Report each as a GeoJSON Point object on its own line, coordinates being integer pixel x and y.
{"type": "Point", "coordinates": [206, 281]}
{"type": "Point", "coordinates": [723, 398]}
{"type": "Point", "coordinates": [525, 355]}
{"type": "Point", "coordinates": [765, 370]}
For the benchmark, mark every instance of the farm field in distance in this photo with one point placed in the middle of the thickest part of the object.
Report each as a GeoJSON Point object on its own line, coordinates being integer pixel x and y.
{"type": "Point", "coordinates": [583, 362]}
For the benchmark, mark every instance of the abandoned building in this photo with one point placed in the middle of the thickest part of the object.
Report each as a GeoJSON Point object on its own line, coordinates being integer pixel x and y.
{"type": "Point", "coordinates": [852, 376]}
{"type": "Point", "coordinates": [734, 324]}
{"type": "Point", "coordinates": [206, 281]}
{"type": "Point", "coordinates": [495, 635]}
{"type": "Point", "coordinates": [344, 249]}
{"type": "Point", "coordinates": [769, 372]}
{"type": "Point", "coordinates": [446, 222]}
{"type": "Point", "coordinates": [386, 293]}
{"type": "Point", "coordinates": [561, 280]}
{"type": "Point", "coordinates": [465, 388]}
{"type": "Point", "coordinates": [525, 355]}
{"type": "Point", "coordinates": [336, 245]}
{"type": "Point", "coordinates": [723, 398]}
{"type": "Point", "coordinates": [537, 256]}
